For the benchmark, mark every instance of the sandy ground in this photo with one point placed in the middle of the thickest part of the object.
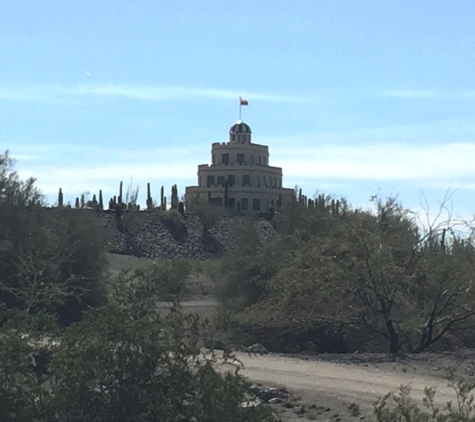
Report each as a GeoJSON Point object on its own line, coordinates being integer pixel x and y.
{"type": "Point", "coordinates": [330, 390]}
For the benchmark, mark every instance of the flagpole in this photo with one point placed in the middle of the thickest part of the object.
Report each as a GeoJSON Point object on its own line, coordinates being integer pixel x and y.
{"type": "Point", "coordinates": [240, 106]}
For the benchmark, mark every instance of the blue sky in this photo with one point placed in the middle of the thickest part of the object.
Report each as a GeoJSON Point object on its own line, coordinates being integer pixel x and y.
{"type": "Point", "coordinates": [353, 97]}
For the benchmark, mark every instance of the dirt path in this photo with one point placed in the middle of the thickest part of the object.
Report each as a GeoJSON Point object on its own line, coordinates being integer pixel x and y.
{"type": "Point", "coordinates": [335, 386]}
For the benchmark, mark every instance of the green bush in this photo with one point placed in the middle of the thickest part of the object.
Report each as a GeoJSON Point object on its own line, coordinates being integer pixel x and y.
{"type": "Point", "coordinates": [164, 280]}
{"type": "Point", "coordinates": [172, 216]}
{"type": "Point", "coordinates": [124, 361]}
{"type": "Point", "coordinates": [208, 214]}
{"type": "Point", "coordinates": [400, 406]}
{"type": "Point", "coordinates": [52, 259]}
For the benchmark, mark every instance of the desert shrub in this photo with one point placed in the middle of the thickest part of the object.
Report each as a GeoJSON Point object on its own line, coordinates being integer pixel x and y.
{"type": "Point", "coordinates": [123, 361]}
{"type": "Point", "coordinates": [208, 214]}
{"type": "Point", "coordinates": [164, 280]}
{"type": "Point", "coordinates": [243, 273]}
{"type": "Point", "coordinates": [400, 406]}
{"type": "Point", "coordinates": [173, 216]}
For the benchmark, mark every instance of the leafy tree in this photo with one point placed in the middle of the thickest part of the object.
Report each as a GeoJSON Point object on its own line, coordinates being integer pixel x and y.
{"type": "Point", "coordinates": [375, 275]}
{"type": "Point", "coordinates": [51, 259]}
{"type": "Point", "coordinates": [13, 190]}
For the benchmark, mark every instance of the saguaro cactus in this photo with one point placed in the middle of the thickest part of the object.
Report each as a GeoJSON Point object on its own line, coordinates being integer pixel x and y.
{"type": "Point", "coordinates": [174, 198]}
{"type": "Point", "coordinates": [181, 208]}
{"type": "Point", "coordinates": [101, 201]}
{"type": "Point", "coordinates": [149, 198]}
{"type": "Point", "coordinates": [120, 193]}
{"type": "Point", "coordinates": [162, 199]}
{"type": "Point", "coordinates": [60, 198]}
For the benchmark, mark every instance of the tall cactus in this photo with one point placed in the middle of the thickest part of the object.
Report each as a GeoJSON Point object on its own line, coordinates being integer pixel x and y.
{"type": "Point", "coordinates": [101, 201]}
{"type": "Point", "coordinates": [181, 208]}
{"type": "Point", "coordinates": [120, 193]}
{"type": "Point", "coordinates": [149, 198]}
{"type": "Point", "coordinates": [60, 198]}
{"type": "Point", "coordinates": [77, 202]}
{"type": "Point", "coordinates": [174, 197]}
{"type": "Point", "coordinates": [162, 199]}
{"type": "Point", "coordinates": [83, 201]}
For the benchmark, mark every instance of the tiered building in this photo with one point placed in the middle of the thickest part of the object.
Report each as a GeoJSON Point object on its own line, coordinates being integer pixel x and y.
{"type": "Point", "coordinates": [240, 177]}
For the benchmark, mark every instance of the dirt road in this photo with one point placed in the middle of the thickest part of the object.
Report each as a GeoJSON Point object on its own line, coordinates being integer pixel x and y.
{"type": "Point", "coordinates": [335, 386]}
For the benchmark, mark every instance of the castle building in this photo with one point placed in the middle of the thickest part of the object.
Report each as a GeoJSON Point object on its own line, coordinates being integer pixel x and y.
{"type": "Point", "coordinates": [240, 177]}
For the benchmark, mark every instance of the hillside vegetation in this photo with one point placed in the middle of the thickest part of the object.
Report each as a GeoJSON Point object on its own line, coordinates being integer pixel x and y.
{"type": "Point", "coordinates": [81, 342]}
{"type": "Point", "coordinates": [345, 279]}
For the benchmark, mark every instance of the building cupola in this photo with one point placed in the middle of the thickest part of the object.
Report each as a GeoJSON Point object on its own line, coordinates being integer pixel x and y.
{"type": "Point", "coordinates": [240, 133]}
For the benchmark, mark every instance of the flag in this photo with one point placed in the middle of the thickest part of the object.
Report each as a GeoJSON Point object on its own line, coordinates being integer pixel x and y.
{"type": "Point", "coordinates": [242, 101]}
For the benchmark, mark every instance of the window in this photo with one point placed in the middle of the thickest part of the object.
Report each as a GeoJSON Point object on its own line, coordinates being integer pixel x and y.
{"type": "Point", "coordinates": [214, 159]}
{"type": "Point", "coordinates": [225, 158]}
{"type": "Point", "coordinates": [210, 181]}
{"type": "Point", "coordinates": [231, 179]}
{"type": "Point", "coordinates": [244, 204]}
{"type": "Point", "coordinates": [201, 181]}
{"type": "Point", "coordinates": [217, 201]}
{"type": "Point", "coordinates": [256, 204]}
{"type": "Point", "coordinates": [221, 180]}
{"type": "Point", "coordinates": [246, 180]}
{"type": "Point", "coordinates": [275, 182]}
{"type": "Point", "coordinates": [240, 158]}
{"type": "Point", "coordinates": [264, 160]}
{"type": "Point", "coordinates": [264, 180]}
{"type": "Point", "coordinates": [259, 160]}
{"type": "Point", "coordinates": [252, 158]}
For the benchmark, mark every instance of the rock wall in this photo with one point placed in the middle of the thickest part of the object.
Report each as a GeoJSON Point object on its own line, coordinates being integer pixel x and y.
{"type": "Point", "coordinates": [154, 234]}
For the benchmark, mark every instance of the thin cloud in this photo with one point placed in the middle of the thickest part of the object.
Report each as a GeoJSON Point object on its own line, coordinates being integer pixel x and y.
{"type": "Point", "coordinates": [135, 92]}
{"type": "Point", "coordinates": [414, 93]}
{"type": "Point", "coordinates": [421, 94]}
{"type": "Point", "coordinates": [381, 162]}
